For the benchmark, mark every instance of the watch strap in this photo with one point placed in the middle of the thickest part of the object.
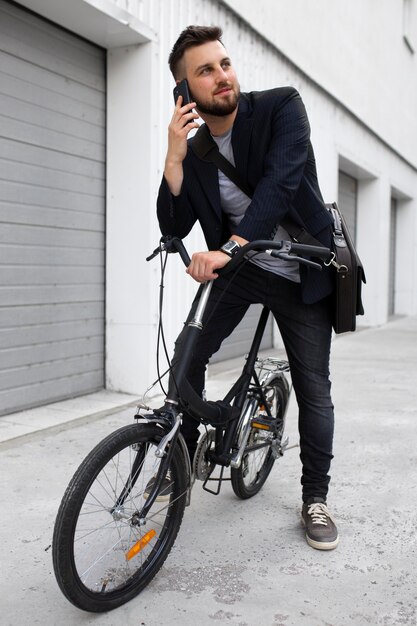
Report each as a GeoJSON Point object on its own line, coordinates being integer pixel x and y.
{"type": "Point", "coordinates": [230, 247]}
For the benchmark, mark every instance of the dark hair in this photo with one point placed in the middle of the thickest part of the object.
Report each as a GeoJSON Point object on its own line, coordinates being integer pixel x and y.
{"type": "Point", "coordinates": [190, 37]}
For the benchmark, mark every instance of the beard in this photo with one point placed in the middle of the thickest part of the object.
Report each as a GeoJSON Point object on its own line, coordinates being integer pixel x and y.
{"type": "Point", "coordinates": [219, 109]}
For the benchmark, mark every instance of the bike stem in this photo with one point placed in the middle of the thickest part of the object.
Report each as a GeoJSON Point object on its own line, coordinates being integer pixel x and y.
{"type": "Point", "coordinates": [195, 326]}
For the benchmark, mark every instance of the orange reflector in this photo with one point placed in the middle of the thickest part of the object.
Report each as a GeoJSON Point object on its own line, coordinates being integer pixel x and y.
{"type": "Point", "coordinates": [260, 426]}
{"type": "Point", "coordinates": [139, 545]}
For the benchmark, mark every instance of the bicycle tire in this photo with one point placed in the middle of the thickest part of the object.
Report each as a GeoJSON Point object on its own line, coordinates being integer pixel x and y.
{"type": "Point", "coordinates": [92, 539]}
{"type": "Point", "coordinates": [249, 478]}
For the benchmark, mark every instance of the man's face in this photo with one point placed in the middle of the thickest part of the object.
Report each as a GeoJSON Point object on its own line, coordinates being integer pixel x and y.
{"type": "Point", "coordinates": [211, 78]}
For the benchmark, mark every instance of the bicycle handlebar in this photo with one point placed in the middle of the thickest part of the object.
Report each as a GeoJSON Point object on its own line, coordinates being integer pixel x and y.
{"type": "Point", "coordinates": [287, 250]}
{"type": "Point", "coordinates": [279, 249]}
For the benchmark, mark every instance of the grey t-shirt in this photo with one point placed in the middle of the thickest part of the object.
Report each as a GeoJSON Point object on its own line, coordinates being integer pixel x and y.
{"type": "Point", "coordinates": [234, 203]}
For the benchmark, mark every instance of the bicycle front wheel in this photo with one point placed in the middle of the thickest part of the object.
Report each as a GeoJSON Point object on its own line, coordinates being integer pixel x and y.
{"type": "Point", "coordinates": [259, 458]}
{"type": "Point", "coordinates": [102, 557]}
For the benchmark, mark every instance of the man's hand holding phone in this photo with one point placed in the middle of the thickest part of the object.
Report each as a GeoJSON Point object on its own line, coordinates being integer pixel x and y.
{"type": "Point", "coordinates": [182, 122]}
{"type": "Point", "coordinates": [184, 105]}
{"type": "Point", "coordinates": [181, 89]}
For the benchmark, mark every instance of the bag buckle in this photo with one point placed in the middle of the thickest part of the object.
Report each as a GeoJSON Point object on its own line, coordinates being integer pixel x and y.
{"type": "Point", "coordinates": [341, 269]}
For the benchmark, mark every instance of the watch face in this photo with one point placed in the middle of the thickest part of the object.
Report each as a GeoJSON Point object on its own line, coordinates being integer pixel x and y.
{"type": "Point", "coordinates": [231, 247]}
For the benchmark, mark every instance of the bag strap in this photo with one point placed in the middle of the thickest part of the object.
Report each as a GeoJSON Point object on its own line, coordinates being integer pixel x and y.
{"type": "Point", "coordinates": [206, 149]}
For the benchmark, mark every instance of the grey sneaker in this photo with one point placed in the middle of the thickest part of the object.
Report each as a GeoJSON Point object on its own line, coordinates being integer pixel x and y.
{"type": "Point", "coordinates": [165, 491]}
{"type": "Point", "coordinates": [321, 531]}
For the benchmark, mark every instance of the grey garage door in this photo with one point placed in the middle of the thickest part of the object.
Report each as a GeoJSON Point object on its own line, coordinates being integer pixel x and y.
{"type": "Point", "coordinates": [52, 212]}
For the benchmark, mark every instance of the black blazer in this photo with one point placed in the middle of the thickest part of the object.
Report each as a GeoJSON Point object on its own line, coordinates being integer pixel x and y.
{"type": "Point", "coordinates": [274, 155]}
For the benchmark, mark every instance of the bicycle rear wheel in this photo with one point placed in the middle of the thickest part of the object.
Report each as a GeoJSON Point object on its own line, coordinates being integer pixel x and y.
{"type": "Point", "coordinates": [102, 558]}
{"type": "Point", "coordinates": [259, 458]}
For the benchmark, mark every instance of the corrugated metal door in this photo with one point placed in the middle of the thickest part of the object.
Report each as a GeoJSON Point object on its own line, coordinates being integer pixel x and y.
{"type": "Point", "coordinates": [52, 212]}
{"type": "Point", "coordinates": [392, 257]}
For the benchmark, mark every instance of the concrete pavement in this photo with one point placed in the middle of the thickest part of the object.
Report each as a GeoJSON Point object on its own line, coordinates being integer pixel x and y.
{"type": "Point", "coordinates": [246, 563]}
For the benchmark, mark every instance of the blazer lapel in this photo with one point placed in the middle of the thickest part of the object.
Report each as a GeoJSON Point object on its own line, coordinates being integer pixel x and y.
{"type": "Point", "coordinates": [206, 170]}
{"type": "Point", "coordinates": [208, 177]}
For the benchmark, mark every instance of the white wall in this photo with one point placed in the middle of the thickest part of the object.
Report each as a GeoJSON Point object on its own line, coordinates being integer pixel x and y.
{"type": "Point", "coordinates": [132, 166]}
{"type": "Point", "coordinates": [356, 51]}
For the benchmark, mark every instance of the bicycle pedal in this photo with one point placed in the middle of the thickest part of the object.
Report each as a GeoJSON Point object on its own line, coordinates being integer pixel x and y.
{"type": "Point", "coordinates": [263, 424]}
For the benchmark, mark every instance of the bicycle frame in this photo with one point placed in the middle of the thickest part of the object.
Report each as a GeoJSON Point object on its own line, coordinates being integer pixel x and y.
{"type": "Point", "coordinates": [169, 415]}
{"type": "Point", "coordinates": [224, 415]}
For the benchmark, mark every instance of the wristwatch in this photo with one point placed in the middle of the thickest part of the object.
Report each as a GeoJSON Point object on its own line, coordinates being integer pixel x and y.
{"type": "Point", "coordinates": [230, 247]}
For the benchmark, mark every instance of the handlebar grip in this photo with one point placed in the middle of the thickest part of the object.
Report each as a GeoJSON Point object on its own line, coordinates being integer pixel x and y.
{"type": "Point", "coordinates": [180, 248]}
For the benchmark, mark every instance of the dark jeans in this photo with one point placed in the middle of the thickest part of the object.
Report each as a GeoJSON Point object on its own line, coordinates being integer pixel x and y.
{"type": "Point", "coordinates": [306, 332]}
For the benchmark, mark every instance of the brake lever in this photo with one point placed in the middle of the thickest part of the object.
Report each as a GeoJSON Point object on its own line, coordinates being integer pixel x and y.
{"type": "Point", "coordinates": [297, 259]}
{"type": "Point", "coordinates": [154, 254]}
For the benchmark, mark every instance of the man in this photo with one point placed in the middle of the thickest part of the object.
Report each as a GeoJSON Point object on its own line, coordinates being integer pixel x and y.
{"type": "Point", "coordinates": [266, 136]}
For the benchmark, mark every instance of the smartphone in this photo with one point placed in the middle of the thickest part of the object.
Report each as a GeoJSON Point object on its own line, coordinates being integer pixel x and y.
{"type": "Point", "coordinates": [182, 90]}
